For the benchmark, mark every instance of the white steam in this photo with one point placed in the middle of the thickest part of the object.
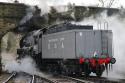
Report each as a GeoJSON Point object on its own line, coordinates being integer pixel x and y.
{"type": "Point", "coordinates": [22, 79]}
{"type": "Point", "coordinates": [118, 27]}
{"type": "Point", "coordinates": [42, 4]}
{"type": "Point", "coordinates": [24, 65]}
{"type": "Point", "coordinates": [29, 14]}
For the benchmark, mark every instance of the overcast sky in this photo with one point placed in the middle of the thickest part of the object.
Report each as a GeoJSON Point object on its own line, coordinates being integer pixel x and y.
{"type": "Point", "coordinates": [117, 3]}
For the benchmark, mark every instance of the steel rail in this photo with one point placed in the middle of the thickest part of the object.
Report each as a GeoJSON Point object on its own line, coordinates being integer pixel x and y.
{"type": "Point", "coordinates": [10, 77]}
{"type": "Point", "coordinates": [33, 79]}
{"type": "Point", "coordinates": [62, 79]}
{"type": "Point", "coordinates": [76, 79]}
{"type": "Point", "coordinates": [45, 79]}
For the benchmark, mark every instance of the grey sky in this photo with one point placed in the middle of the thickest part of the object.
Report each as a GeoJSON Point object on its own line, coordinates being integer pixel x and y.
{"type": "Point", "coordinates": [117, 3]}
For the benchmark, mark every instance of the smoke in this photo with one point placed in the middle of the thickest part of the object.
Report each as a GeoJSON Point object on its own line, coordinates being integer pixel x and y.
{"type": "Point", "coordinates": [26, 64]}
{"type": "Point", "coordinates": [61, 8]}
{"type": "Point", "coordinates": [117, 25]}
{"type": "Point", "coordinates": [10, 64]}
{"type": "Point", "coordinates": [29, 14]}
{"type": "Point", "coordinates": [42, 4]}
{"type": "Point", "coordinates": [37, 8]}
{"type": "Point", "coordinates": [22, 79]}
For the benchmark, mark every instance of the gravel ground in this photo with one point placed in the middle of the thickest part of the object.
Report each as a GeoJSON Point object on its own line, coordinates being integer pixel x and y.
{"type": "Point", "coordinates": [4, 76]}
{"type": "Point", "coordinates": [17, 79]}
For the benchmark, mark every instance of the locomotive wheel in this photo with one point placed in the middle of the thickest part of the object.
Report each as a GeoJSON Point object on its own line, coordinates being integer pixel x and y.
{"type": "Point", "coordinates": [67, 71]}
{"type": "Point", "coordinates": [99, 73]}
{"type": "Point", "coordinates": [87, 73]}
{"type": "Point", "coordinates": [87, 70]}
{"type": "Point", "coordinates": [99, 70]}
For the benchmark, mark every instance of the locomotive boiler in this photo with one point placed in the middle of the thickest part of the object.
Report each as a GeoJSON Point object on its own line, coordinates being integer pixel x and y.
{"type": "Point", "coordinates": [69, 49]}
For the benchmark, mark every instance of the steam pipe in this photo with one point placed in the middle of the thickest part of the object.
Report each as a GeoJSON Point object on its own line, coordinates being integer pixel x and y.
{"type": "Point", "coordinates": [106, 25]}
{"type": "Point", "coordinates": [99, 25]}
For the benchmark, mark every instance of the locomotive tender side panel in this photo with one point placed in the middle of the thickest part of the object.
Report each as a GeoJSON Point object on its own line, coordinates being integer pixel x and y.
{"type": "Point", "coordinates": [76, 43]}
{"type": "Point", "coordinates": [107, 42]}
{"type": "Point", "coordinates": [59, 45]}
{"type": "Point", "coordinates": [110, 44]}
{"type": "Point", "coordinates": [88, 42]}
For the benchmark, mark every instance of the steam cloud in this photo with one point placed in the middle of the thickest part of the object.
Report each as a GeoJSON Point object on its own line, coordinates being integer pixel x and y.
{"type": "Point", "coordinates": [27, 65]}
{"type": "Point", "coordinates": [24, 65]}
{"type": "Point", "coordinates": [42, 4]}
{"type": "Point", "coordinates": [9, 62]}
{"type": "Point", "coordinates": [117, 25]}
{"type": "Point", "coordinates": [30, 10]}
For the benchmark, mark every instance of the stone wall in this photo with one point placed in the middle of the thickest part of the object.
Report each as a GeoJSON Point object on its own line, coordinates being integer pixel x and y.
{"type": "Point", "coordinates": [10, 15]}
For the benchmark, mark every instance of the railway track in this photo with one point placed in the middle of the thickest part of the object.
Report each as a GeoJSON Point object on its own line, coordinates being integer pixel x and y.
{"type": "Point", "coordinates": [67, 79]}
{"type": "Point", "coordinates": [10, 77]}
{"type": "Point", "coordinates": [57, 79]}
{"type": "Point", "coordinates": [102, 79]}
{"type": "Point", "coordinates": [41, 79]}
{"type": "Point", "coordinates": [16, 78]}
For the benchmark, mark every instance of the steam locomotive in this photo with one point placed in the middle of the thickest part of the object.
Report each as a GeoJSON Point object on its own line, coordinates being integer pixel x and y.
{"type": "Point", "coordinates": [69, 49]}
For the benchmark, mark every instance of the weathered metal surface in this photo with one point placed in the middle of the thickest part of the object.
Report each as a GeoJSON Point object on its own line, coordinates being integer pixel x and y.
{"type": "Point", "coordinates": [59, 45]}
{"type": "Point", "coordinates": [76, 43]}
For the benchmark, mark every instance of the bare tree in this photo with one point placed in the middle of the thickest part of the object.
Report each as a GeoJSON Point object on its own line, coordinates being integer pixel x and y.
{"type": "Point", "coordinates": [15, 1]}
{"type": "Point", "coordinates": [104, 3]}
{"type": "Point", "coordinates": [111, 2]}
